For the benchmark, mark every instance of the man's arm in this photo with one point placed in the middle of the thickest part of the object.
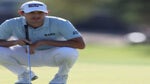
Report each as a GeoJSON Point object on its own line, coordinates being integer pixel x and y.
{"type": "Point", "coordinates": [5, 43]}
{"type": "Point", "coordinates": [74, 43]}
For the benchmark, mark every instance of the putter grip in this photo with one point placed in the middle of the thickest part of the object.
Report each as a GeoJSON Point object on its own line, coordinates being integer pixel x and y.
{"type": "Point", "coordinates": [26, 33]}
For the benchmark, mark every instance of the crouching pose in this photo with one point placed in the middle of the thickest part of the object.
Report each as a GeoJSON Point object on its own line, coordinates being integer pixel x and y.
{"type": "Point", "coordinates": [53, 43]}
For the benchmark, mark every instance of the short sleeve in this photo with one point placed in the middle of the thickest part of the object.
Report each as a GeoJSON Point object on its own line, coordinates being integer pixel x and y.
{"type": "Point", "coordinates": [68, 30]}
{"type": "Point", "coordinates": [5, 30]}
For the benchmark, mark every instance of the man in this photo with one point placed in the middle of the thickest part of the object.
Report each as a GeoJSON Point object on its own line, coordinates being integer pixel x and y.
{"type": "Point", "coordinates": [53, 42]}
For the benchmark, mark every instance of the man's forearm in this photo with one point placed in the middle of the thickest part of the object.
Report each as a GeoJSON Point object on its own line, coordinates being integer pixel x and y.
{"type": "Point", "coordinates": [70, 43]}
{"type": "Point", "coordinates": [59, 43]}
{"type": "Point", "coordinates": [5, 43]}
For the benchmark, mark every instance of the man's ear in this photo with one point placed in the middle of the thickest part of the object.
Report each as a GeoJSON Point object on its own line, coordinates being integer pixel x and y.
{"type": "Point", "coordinates": [20, 12]}
{"type": "Point", "coordinates": [48, 12]}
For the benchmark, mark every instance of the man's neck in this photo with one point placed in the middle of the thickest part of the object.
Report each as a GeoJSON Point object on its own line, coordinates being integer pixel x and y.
{"type": "Point", "coordinates": [35, 25]}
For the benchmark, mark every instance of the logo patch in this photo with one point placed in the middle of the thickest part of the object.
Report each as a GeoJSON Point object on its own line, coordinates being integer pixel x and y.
{"type": "Point", "coordinates": [75, 32]}
{"type": "Point", "coordinates": [35, 5]}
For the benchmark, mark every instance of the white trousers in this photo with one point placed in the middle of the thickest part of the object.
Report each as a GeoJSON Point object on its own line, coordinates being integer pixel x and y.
{"type": "Point", "coordinates": [16, 60]}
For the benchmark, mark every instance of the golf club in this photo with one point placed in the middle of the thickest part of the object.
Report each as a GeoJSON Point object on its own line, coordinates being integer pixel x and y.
{"type": "Point", "coordinates": [28, 52]}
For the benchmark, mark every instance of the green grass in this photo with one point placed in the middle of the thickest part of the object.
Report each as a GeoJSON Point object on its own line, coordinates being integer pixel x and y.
{"type": "Point", "coordinates": [139, 54]}
{"type": "Point", "coordinates": [99, 64]}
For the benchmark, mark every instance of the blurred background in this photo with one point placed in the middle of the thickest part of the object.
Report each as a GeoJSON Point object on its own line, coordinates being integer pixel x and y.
{"type": "Point", "coordinates": [116, 32]}
{"type": "Point", "coordinates": [113, 19]}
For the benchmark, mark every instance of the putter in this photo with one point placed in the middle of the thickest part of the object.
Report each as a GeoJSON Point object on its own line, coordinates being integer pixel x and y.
{"type": "Point", "coordinates": [28, 53]}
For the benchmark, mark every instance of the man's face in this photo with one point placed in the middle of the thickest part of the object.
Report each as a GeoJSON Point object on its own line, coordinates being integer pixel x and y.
{"type": "Point", "coordinates": [35, 17]}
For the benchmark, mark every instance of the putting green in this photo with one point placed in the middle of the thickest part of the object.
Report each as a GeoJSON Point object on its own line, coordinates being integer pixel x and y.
{"type": "Point", "coordinates": [84, 73]}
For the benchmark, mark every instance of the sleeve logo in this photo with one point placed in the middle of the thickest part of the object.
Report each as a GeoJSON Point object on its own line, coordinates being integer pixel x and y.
{"type": "Point", "coordinates": [75, 32]}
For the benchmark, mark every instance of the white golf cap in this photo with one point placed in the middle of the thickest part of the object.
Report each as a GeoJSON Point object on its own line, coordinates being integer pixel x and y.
{"type": "Point", "coordinates": [31, 6]}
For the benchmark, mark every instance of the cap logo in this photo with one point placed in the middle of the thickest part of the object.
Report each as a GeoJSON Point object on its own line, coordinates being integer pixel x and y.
{"type": "Point", "coordinates": [34, 5]}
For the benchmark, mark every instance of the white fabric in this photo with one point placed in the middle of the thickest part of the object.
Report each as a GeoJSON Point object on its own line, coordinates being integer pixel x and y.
{"type": "Point", "coordinates": [16, 60]}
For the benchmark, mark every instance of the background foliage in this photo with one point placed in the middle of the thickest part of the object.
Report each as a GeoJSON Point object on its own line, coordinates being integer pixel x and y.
{"type": "Point", "coordinates": [135, 11]}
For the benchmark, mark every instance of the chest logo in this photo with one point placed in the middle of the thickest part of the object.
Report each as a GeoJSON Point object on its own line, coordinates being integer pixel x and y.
{"type": "Point", "coordinates": [50, 34]}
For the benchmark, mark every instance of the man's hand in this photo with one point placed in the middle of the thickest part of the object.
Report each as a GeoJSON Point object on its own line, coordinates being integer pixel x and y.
{"type": "Point", "coordinates": [33, 46]}
{"type": "Point", "coordinates": [22, 42]}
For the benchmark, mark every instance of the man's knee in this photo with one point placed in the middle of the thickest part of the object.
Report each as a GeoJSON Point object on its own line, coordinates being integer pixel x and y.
{"type": "Point", "coordinates": [4, 51]}
{"type": "Point", "coordinates": [68, 53]}
{"type": "Point", "coordinates": [4, 54]}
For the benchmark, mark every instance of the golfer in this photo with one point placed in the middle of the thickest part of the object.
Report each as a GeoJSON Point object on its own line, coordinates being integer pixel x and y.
{"type": "Point", "coordinates": [53, 43]}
